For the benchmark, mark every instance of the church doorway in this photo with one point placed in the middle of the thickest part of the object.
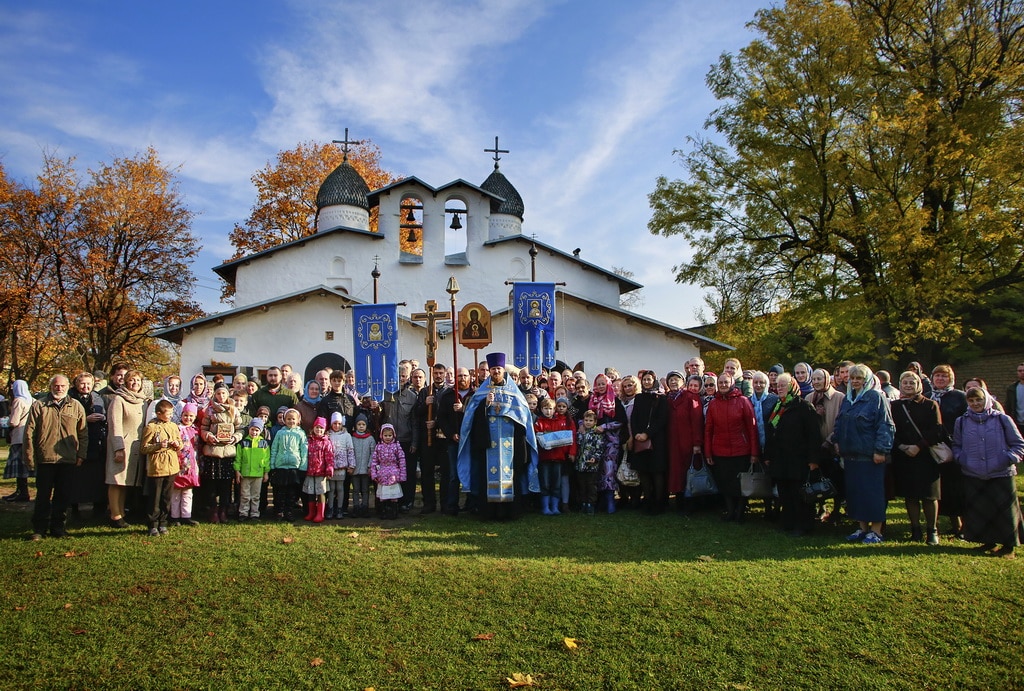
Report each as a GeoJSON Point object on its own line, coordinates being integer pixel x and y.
{"type": "Point", "coordinates": [323, 361]}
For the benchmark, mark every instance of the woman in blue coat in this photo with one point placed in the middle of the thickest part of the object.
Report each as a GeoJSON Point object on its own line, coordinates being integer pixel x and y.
{"type": "Point", "coordinates": [863, 435]}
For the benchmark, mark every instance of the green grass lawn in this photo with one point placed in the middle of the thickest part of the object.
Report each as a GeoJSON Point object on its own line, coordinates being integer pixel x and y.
{"type": "Point", "coordinates": [652, 602]}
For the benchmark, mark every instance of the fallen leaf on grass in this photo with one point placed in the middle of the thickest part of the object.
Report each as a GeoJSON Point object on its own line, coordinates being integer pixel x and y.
{"type": "Point", "coordinates": [38, 554]}
{"type": "Point", "coordinates": [20, 608]}
{"type": "Point", "coordinates": [490, 535]}
{"type": "Point", "coordinates": [372, 549]}
{"type": "Point", "coordinates": [353, 534]}
{"type": "Point", "coordinates": [571, 643]}
{"type": "Point", "coordinates": [518, 680]}
{"type": "Point", "coordinates": [484, 637]}
{"type": "Point", "coordinates": [78, 632]}
{"type": "Point", "coordinates": [211, 634]}
{"type": "Point", "coordinates": [316, 662]}
{"type": "Point", "coordinates": [705, 557]}
{"type": "Point", "coordinates": [67, 605]}
{"type": "Point", "coordinates": [287, 540]}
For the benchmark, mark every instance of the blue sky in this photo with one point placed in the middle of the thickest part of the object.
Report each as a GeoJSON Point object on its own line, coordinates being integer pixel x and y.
{"type": "Point", "coordinates": [590, 97]}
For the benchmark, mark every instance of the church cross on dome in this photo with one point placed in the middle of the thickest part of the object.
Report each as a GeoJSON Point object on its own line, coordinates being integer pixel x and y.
{"type": "Point", "coordinates": [346, 141]}
{"type": "Point", "coordinates": [494, 151]}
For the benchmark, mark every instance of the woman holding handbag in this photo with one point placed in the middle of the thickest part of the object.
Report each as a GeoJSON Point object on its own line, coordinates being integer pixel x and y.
{"type": "Point", "coordinates": [685, 436]}
{"type": "Point", "coordinates": [793, 436]}
{"type": "Point", "coordinates": [730, 442]}
{"type": "Point", "coordinates": [646, 445]}
{"type": "Point", "coordinates": [918, 427]}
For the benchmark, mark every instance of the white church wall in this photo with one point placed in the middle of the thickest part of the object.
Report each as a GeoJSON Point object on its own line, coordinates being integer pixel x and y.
{"type": "Point", "coordinates": [318, 262]}
{"type": "Point", "coordinates": [293, 332]}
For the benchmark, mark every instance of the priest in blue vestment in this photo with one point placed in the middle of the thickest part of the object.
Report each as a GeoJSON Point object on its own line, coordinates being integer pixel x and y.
{"type": "Point", "coordinates": [497, 445]}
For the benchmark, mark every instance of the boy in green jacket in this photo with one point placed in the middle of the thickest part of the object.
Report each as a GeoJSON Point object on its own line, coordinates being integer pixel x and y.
{"type": "Point", "coordinates": [252, 468]}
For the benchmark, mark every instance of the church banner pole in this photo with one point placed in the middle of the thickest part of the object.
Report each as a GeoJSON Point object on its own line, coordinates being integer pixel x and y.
{"type": "Point", "coordinates": [452, 289]}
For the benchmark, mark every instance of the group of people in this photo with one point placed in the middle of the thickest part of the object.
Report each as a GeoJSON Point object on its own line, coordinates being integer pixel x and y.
{"type": "Point", "coordinates": [509, 441]}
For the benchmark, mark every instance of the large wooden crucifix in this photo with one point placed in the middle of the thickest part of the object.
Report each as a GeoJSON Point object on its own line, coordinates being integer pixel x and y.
{"type": "Point", "coordinates": [431, 316]}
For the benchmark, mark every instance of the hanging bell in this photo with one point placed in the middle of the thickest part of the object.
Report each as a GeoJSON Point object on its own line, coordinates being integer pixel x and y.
{"type": "Point", "coordinates": [456, 223]}
{"type": "Point", "coordinates": [411, 237]}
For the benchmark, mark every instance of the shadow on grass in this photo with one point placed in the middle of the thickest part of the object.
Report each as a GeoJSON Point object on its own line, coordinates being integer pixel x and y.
{"type": "Point", "coordinates": [629, 537]}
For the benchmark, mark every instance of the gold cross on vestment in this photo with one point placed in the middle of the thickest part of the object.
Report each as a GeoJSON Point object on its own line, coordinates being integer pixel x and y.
{"type": "Point", "coordinates": [431, 316]}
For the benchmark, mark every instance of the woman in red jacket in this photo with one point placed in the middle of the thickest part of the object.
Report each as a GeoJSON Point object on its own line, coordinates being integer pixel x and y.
{"type": "Point", "coordinates": [730, 442]}
{"type": "Point", "coordinates": [685, 435]}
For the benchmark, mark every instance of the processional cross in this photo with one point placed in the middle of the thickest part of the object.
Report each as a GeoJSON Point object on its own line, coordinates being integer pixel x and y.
{"type": "Point", "coordinates": [431, 316]}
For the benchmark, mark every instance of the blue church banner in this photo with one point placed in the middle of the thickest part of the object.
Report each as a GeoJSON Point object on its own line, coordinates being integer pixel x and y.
{"type": "Point", "coordinates": [375, 332]}
{"type": "Point", "coordinates": [533, 326]}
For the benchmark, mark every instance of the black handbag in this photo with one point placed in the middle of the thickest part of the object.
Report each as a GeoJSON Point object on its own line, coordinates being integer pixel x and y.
{"type": "Point", "coordinates": [816, 490]}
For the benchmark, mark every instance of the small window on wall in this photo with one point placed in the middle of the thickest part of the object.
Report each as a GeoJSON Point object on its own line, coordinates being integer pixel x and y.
{"type": "Point", "coordinates": [456, 232]}
{"type": "Point", "coordinates": [410, 229]}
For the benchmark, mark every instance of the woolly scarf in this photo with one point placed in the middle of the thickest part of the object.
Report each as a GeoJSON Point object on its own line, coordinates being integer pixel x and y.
{"type": "Point", "coordinates": [785, 403]}
{"type": "Point", "coordinates": [133, 397]}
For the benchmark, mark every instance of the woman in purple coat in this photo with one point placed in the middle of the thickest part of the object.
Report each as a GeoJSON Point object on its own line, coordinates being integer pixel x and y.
{"type": "Point", "coordinates": [987, 445]}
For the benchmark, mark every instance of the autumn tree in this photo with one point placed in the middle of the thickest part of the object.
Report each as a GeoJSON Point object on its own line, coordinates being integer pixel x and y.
{"type": "Point", "coordinates": [94, 265]}
{"type": "Point", "coordinates": [285, 207]}
{"type": "Point", "coordinates": [867, 160]}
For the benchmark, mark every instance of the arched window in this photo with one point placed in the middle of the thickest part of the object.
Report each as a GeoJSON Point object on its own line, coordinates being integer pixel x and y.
{"type": "Point", "coordinates": [410, 231]}
{"type": "Point", "coordinates": [456, 232]}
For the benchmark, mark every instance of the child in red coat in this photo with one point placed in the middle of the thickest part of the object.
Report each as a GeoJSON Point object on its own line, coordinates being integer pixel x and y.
{"type": "Point", "coordinates": [556, 439]}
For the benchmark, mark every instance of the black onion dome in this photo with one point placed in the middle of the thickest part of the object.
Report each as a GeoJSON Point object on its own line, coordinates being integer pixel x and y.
{"type": "Point", "coordinates": [343, 187]}
{"type": "Point", "coordinates": [498, 184]}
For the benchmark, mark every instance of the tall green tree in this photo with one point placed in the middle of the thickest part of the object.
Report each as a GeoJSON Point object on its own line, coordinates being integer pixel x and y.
{"type": "Point", "coordinates": [866, 152]}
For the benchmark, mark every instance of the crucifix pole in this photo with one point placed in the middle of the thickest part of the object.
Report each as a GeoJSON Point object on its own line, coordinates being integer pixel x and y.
{"type": "Point", "coordinates": [430, 316]}
{"type": "Point", "coordinates": [452, 289]}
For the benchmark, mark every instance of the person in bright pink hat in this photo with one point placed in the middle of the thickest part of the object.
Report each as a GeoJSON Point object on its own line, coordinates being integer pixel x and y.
{"type": "Point", "coordinates": [319, 469]}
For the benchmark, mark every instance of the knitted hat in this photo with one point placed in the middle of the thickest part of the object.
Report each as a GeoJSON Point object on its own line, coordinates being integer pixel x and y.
{"type": "Point", "coordinates": [361, 418]}
{"type": "Point", "coordinates": [674, 373]}
{"type": "Point", "coordinates": [336, 417]}
{"type": "Point", "coordinates": [777, 368]}
{"type": "Point", "coordinates": [257, 422]}
{"type": "Point", "coordinates": [190, 408]}
{"type": "Point", "coordinates": [282, 409]}
{"type": "Point", "coordinates": [320, 422]}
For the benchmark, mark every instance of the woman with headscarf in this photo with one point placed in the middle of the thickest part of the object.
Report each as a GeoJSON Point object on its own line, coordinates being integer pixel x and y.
{"type": "Point", "coordinates": [612, 423]}
{"type": "Point", "coordinates": [710, 386]}
{"type": "Point", "coordinates": [308, 401]}
{"type": "Point", "coordinates": [918, 426]}
{"type": "Point", "coordinates": [730, 443]}
{"type": "Point", "coordinates": [580, 401]}
{"type": "Point", "coordinates": [793, 446]}
{"type": "Point", "coordinates": [220, 431]}
{"type": "Point", "coordinates": [199, 395]}
{"type": "Point", "coordinates": [685, 435]}
{"type": "Point", "coordinates": [827, 402]}
{"type": "Point", "coordinates": [802, 374]}
{"type": "Point", "coordinates": [649, 381]}
{"type": "Point", "coordinates": [987, 445]}
{"type": "Point", "coordinates": [16, 467]}
{"type": "Point", "coordinates": [863, 439]}
{"type": "Point", "coordinates": [171, 391]}
{"type": "Point", "coordinates": [126, 466]}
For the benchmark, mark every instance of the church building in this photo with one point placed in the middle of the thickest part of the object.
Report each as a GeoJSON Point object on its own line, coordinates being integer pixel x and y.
{"type": "Point", "coordinates": [292, 300]}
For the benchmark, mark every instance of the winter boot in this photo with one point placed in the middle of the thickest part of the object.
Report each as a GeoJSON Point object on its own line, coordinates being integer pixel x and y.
{"type": "Point", "coordinates": [214, 516]}
{"type": "Point", "coordinates": [545, 505]}
{"type": "Point", "coordinates": [310, 511]}
{"type": "Point", "coordinates": [553, 504]}
{"type": "Point", "coordinates": [318, 512]}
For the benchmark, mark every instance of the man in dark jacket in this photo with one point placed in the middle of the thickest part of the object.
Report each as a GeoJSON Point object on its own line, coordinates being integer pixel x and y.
{"type": "Point", "coordinates": [451, 409]}
{"type": "Point", "coordinates": [429, 441]}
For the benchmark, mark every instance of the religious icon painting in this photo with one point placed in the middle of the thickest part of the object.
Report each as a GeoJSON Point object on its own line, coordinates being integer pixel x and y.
{"type": "Point", "coordinates": [534, 326]}
{"type": "Point", "coordinates": [474, 326]}
{"type": "Point", "coordinates": [376, 348]}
